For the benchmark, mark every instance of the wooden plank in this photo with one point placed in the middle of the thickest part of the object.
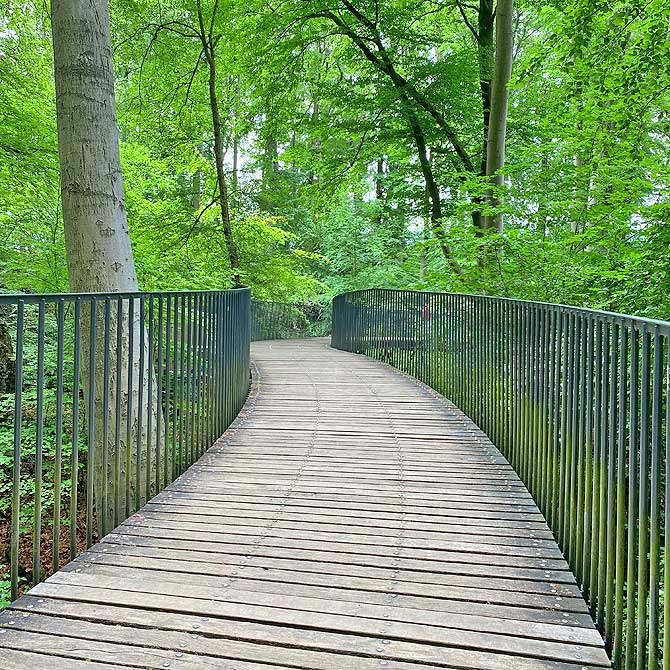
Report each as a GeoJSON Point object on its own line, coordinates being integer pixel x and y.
{"type": "Point", "coordinates": [347, 620]}
{"type": "Point", "coordinates": [342, 522]}
{"type": "Point", "coordinates": [353, 647]}
{"type": "Point", "coordinates": [350, 519]}
{"type": "Point", "coordinates": [296, 501]}
{"type": "Point", "coordinates": [456, 551]}
{"type": "Point", "coordinates": [463, 566]}
{"type": "Point", "coordinates": [464, 600]}
{"type": "Point", "coordinates": [488, 590]}
{"type": "Point", "coordinates": [341, 533]}
{"type": "Point", "coordinates": [19, 659]}
{"type": "Point", "coordinates": [544, 583]}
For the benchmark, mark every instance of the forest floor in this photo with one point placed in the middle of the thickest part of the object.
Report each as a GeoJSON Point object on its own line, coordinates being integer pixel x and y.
{"type": "Point", "coordinates": [46, 552]}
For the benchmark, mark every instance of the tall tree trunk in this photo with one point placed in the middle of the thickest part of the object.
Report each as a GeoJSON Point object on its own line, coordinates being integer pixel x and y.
{"type": "Point", "coordinates": [231, 247]}
{"type": "Point", "coordinates": [209, 43]}
{"type": "Point", "coordinates": [495, 160]}
{"type": "Point", "coordinates": [379, 191]}
{"type": "Point", "coordinates": [316, 142]}
{"type": "Point", "coordinates": [99, 253]}
{"type": "Point", "coordinates": [268, 172]}
{"type": "Point", "coordinates": [424, 236]}
{"type": "Point", "coordinates": [485, 55]}
{"type": "Point", "coordinates": [433, 191]}
{"type": "Point", "coordinates": [235, 181]}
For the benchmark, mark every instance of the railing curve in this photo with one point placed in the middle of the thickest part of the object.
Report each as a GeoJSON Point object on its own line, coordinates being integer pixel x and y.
{"type": "Point", "coordinates": [105, 399]}
{"type": "Point", "coordinates": [285, 321]}
{"type": "Point", "coordinates": [578, 402]}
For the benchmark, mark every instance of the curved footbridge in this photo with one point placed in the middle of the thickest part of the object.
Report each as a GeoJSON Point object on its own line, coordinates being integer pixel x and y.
{"type": "Point", "coordinates": [350, 518]}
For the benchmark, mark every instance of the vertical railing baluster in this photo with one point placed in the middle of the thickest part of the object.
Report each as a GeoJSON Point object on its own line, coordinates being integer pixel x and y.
{"type": "Point", "coordinates": [610, 557]}
{"type": "Point", "coordinates": [152, 409]}
{"type": "Point", "coordinates": [58, 454]}
{"type": "Point", "coordinates": [183, 455]}
{"type": "Point", "coordinates": [91, 456]}
{"type": "Point", "coordinates": [16, 465]}
{"type": "Point", "coordinates": [104, 452]}
{"type": "Point", "coordinates": [39, 447]}
{"type": "Point", "coordinates": [175, 453]}
{"type": "Point", "coordinates": [620, 550]}
{"type": "Point", "coordinates": [140, 436]}
{"type": "Point", "coordinates": [582, 447]}
{"type": "Point", "coordinates": [589, 454]}
{"type": "Point", "coordinates": [130, 335]}
{"type": "Point", "coordinates": [74, 458]}
{"type": "Point", "coordinates": [167, 445]}
{"type": "Point", "coordinates": [655, 501]}
{"type": "Point", "coordinates": [118, 399]}
{"type": "Point", "coordinates": [643, 506]}
{"type": "Point", "coordinates": [160, 412]}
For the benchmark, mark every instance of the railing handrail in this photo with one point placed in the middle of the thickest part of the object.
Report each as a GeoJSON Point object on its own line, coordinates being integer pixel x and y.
{"type": "Point", "coordinates": [639, 322]}
{"type": "Point", "coordinates": [34, 298]}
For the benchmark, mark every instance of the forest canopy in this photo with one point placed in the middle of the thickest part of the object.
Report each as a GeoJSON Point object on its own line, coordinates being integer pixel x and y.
{"type": "Point", "coordinates": [355, 143]}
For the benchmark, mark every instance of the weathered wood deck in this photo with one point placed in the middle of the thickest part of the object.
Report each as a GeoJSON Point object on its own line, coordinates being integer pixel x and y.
{"type": "Point", "coordinates": [350, 519]}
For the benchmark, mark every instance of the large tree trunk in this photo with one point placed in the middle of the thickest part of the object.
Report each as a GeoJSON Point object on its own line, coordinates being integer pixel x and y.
{"type": "Point", "coordinates": [485, 55]}
{"type": "Point", "coordinates": [235, 179]}
{"type": "Point", "coordinates": [497, 131]}
{"type": "Point", "coordinates": [99, 254]}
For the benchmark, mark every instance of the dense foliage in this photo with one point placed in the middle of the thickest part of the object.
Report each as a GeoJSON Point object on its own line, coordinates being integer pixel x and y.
{"type": "Point", "coordinates": [325, 189]}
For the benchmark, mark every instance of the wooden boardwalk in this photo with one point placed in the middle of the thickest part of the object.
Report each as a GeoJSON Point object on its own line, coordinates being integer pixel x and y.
{"type": "Point", "coordinates": [350, 519]}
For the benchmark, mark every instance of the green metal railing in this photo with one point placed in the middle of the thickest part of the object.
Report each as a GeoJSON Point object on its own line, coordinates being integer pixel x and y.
{"type": "Point", "coordinates": [104, 400]}
{"type": "Point", "coordinates": [578, 402]}
{"type": "Point", "coordinates": [283, 321]}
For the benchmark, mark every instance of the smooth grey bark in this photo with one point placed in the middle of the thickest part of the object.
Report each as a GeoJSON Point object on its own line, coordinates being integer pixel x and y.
{"type": "Point", "coordinates": [495, 157]}
{"type": "Point", "coordinates": [99, 253]}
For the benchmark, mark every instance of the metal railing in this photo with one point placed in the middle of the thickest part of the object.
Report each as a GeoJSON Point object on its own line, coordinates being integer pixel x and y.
{"type": "Point", "coordinates": [283, 321]}
{"type": "Point", "coordinates": [578, 402]}
{"type": "Point", "coordinates": [104, 400]}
